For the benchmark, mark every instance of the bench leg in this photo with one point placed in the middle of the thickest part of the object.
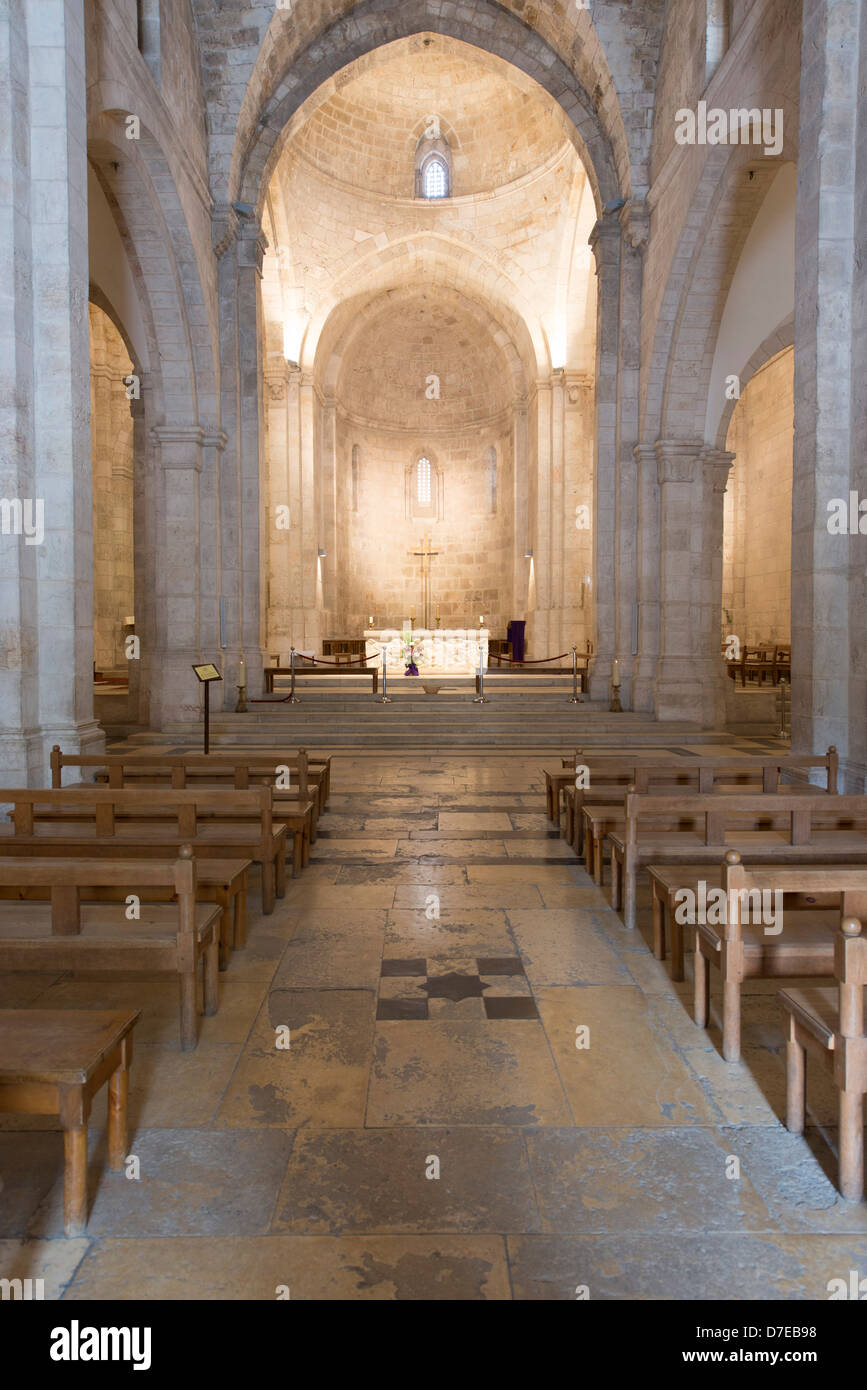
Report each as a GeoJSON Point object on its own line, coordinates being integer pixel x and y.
{"type": "Point", "coordinates": [223, 901]}
{"type": "Point", "coordinates": [75, 1180]}
{"type": "Point", "coordinates": [280, 874]}
{"type": "Point", "coordinates": [306, 840]}
{"type": "Point", "coordinates": [616, 880]}
{"type": "Point", "coordinates": [676, 948]}
{"type": "Point", "coordinates": [851, 1145]}
{"type": "Point", "coordinates": [796, 1082]}
{"type": "Point", "coordinates": [118, 1094]}
{"type": "Point", "coordinates": [188, 1006]}
{"type": "Point", "coordinates": [628, 887]}
{"type": "Point", "coordinates": [240, 922]}
{"type": "Point", "coordinates": [549, 801]}
{"type": "Point", "coordinates": [732, 1020]}
{"type": "Point", "coordinates": [701, 996]}
{"type": "Point", "coordinates": [212, 974]}
{"type": "Point", "coordinates": [588, 855]}
{"type": "Point", "coordinates": [658, 921]}
{"type": "Point", "coordinates": [269, 879]}
{"type": "Point", "coordinates": [598, 865]}
{"type": "Point", "coordinates": [297, 852]}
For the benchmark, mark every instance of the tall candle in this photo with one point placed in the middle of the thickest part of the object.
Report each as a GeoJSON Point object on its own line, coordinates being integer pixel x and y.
{"type": "Point", "coordinates": [481, 620]}
{"type": "Point", "coordinates": [242, 672]}
{"type": "Point", "coordinates": [615, 674]}
{"type": "Point", "coordinates": [370, 621]}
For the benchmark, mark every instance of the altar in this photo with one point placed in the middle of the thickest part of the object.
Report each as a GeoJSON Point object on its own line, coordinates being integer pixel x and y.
{"type": "Point", "coordinates": [443, 651]}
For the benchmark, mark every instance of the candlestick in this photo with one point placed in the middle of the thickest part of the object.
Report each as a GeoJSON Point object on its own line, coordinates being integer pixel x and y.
{"type": "Point", "coordinates": [615, 674]}
{"type": "Point", "coordinates": [481, 620]}
{"type": "Point", "coordinates": [242, 672]}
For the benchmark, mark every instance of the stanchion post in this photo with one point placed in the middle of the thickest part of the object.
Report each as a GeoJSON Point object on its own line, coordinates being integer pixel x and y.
{"type": "Point", "coordinates": [574, 698]}
{"type": "Point", "coordinates": [481, 698]}
{"type": "Point", "coordinates": [384, 698]}
{"type": "Point", "coordinates": [293, 698]}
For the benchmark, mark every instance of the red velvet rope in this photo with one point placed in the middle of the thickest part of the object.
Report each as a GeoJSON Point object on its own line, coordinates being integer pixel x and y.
{"type": "Point", "coordinates": [540, 661]}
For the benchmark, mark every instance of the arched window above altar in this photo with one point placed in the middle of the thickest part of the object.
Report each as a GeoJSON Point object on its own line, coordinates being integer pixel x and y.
{"type": "Point", "coordinates": [424, 487]}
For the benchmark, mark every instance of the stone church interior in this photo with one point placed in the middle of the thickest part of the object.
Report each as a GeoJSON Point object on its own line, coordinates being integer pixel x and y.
{"type": "Point", "coordinates": [433, 672]}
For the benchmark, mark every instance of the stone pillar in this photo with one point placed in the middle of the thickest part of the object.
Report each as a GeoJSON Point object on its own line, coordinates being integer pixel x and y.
{"type": "Point", "coordinates": [524, 569]}
{"type": "Point", "coordinates": [251, 245]}
{"type": "Point", "coordinates": [678, 694]}
{"type": "Point", "coordinates": [716, 466]}
{"type": "Point", "coordinates": [826, 228]}
{"type": "Point", "coordinates": [328, 515]}
{"type": "Point", "coordinates": [605, 241]}
{"type": "Point", "coordinates": [634, 227]}
{"type": "Point", "coordinates": [692, 481]}
{"type": "Point", "coordinates": [175, 693]}
{"type": "Point", "coordinates": [647, 559]}
{"type": "Point", "coordinates": [46, 588]}
{"type": "Point", "coordinates": [311, 569]}
{"type": "Point", "coordinates": [538, 619]}
{"type": "Point", "coordinates": [281, 516]}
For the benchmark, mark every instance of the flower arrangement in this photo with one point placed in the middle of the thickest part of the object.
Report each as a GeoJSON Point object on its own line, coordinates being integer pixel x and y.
{"type": "Point", "coordinates": [412, 653]}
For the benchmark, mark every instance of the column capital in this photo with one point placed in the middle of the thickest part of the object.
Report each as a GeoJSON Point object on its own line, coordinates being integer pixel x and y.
{"type": "Point", "coordinates": [676, 460]}
{"type": "Point", "coordinates": [180, 446]}
{"type": "Point", "coordinates": [604, 238]}
{"type": "Point", "coordinates": [635, 224]}
{"type": "Point", "coordinates": [718, 462]}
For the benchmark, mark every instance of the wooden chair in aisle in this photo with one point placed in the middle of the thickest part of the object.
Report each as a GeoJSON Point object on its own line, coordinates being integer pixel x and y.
{"type": "Point", "coordinates": [828, 1023]}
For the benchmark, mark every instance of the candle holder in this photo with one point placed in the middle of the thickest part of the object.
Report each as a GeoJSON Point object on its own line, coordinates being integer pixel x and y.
{"type": "Point", "coordinates": [615, 706]}
{"type": "Point", "coordinates": [241, 706]}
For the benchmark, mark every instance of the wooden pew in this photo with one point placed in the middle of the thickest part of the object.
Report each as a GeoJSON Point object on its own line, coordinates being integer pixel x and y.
{"type": "Point", "coordinates": [829, 1023]}
{"type": "Point", "coordinates": [63, 935]}
{"type": "Point", "coordinates": [743, 949]}
{"type": "Point", "coordinates": [610, 774]}
{"type": "Point", "coordinates": [53, 1062]}
{"type": "Point", "coordinates": [819, 829]}
{"type": "Point", "coordinates": [220, 881]}
{"type": "Point", "coordinates": [668, 880]}
{"type": "Point", "coordinates": [183, 770]}
{"type": "Point", "coordinates": [81, 821]}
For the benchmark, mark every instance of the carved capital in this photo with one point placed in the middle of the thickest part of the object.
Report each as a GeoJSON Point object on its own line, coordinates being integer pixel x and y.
{"type": "Point", "coordinates": [676, 460]}
{"type": "Point", "coordinates": [635, 224]}
{"type": "Point", "coordinates": [718, 462]}
{"type": "Point", "coordinates": [603, 241]}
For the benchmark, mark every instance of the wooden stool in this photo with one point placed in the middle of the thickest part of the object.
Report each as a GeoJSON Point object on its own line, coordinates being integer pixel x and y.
{"type": "Point", "coordinates": [53, 1062]}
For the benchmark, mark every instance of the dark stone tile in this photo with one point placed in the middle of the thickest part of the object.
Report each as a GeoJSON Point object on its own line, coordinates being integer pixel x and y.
{"type": "Point", "coordinates": [514, 1006]}
{"type": "Point", "coordinates": [500, 965]}
{"type": "Point", "coordinates": [454, 986]}
{"type": "Point", "coordinates": [401, 1009]}
{"type": "Point", "coordinates": [346, 1181]}
{"type": "Point", "coordinates": [416, 966]}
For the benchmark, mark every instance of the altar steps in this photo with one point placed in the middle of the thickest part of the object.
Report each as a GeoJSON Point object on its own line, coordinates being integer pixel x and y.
{"type": "Point", "coordinates": [538, 720]}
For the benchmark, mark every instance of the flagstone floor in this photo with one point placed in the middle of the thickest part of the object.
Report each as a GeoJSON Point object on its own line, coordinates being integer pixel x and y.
{"type": "Point", "coordinates": [435, 1129]}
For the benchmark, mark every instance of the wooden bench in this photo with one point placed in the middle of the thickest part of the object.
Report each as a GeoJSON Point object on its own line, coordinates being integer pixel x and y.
{"type": "Point", "coordinates": [610, 774]}
{"type": "Point", "coordinates": [303, 671]}
{"type": "Point", "coordinates": [63, 935]}
{"type": "Point", "coordinates": [220, 881]}
{"type": "Point", "coordinates": [802, 945]}
{"type": "Point", "coordinates": [828, 1022]}
{"type": "Point", "coordinates": [53, 1062]}
{"type": "Point", "coordinates": [105, 821]}
{"type": "Point", "coordinates": [819, 829]}
{"type": "Point", "coordinates": [183, 770]}
{"type": "Point", "coordinates": [668, 881]}
{"type": "Point", "coordinates": [600, 821]}
{"type": "Point", "coordinates": [530, 671]}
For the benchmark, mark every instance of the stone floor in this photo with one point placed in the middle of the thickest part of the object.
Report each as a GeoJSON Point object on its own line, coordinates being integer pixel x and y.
{"type": "Point", "coordinates": [433, 1130]}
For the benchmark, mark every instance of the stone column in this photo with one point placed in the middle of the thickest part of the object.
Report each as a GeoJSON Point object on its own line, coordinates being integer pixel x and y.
{"type": "Point", "coordinates": [716, 465]}
{"type": "Point", "coordinates": [605, 241]}
{"type": "Point", "coordinates": [538, 624]}
{"type": "Point", "coordinates": [830, 197]}
{"type": "Point", "coordinates": [523, 568]}
{"type": "Point", "coordinates": [634, 222]}
{"type": "Point", "coordinates": [328, 513]}
{"type": "Point", "coordinates": [280, 515]}
{"type": "Point", "coordinates": [252, 245]}
{"type": "Point", "coordinates": [681, 484]}
{"type": "Point", "coordinates": [311, 569]}
{"type": "Point", "coordinates": [645, 669]}
{"type": "Point", "coordinates": [46, 588]}
{"type": "Point", "coordinates": [175, 693]}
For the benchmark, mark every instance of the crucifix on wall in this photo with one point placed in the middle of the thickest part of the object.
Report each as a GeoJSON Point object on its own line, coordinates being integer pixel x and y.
{"type": "Point", "coordinates": [425, 555]}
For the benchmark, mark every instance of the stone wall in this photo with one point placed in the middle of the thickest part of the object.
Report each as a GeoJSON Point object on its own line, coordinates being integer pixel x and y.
{"type": "Point", "coordinates": [757, 555]}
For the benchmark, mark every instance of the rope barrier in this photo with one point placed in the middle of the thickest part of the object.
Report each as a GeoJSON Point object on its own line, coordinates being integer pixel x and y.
{"type": "Point", "coordinates": [540, 661]}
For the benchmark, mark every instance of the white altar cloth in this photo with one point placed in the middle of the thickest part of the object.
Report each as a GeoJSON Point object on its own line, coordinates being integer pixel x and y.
{"type": "Point", "coordinates": [454, 651]}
